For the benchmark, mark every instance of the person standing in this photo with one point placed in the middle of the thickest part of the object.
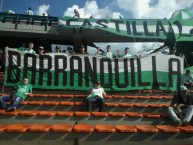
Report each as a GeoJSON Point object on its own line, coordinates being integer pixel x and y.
{"type": "Point", "coordinates": [188, 81]}
{"type": "Point", "coordinates": [108, 53]}
{"type": "Point", "coordinates": [41, 50]}
{"type": "Point", "coordinates": [29, 11]}
{"type": "Point", "coordinates": [57, 49]}
{"type": "Point", "coordinates": [22, 90]}
{"type": "Point", "coordinates": [97, 95]}
{"type": "Point", "coordinates": [181, 108]}
{"type": "Point", "coordinates": [126, 54]}
{"type": "Point", "coordinates": [29, 49]}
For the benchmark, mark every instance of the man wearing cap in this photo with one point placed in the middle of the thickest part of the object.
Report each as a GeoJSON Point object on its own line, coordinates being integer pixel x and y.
{"type": "Point", "coordinates": [41, 50]}
{"type": "Point", "coordinates": [181, 108]}
{"type": "Point", "coordinates": [96, 96]}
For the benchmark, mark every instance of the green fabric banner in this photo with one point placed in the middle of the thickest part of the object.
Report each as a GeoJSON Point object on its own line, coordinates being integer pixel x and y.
{"type": "Point", "coordinates": [77, 72]}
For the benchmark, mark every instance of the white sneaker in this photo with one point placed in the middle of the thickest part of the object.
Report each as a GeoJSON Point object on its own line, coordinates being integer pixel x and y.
{"type": "Point", "coordinates": [11, 109]}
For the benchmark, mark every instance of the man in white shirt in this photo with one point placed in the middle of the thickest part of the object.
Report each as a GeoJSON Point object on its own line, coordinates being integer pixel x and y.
{"type": "Point", "coordinates": [127, 55]}
{"type": "Point", "coordinates": [97, 95]}
{"type": "Point", "coordinates": [188, 81]}
{"type": "Point", "coordinates": [29, 49]}
{"type": "Point", "coordinates": [29, 11]}
{"type": "Point", "coordinates": [108, 54]}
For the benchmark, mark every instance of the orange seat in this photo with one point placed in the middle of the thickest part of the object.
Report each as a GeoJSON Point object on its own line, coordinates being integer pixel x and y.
{"type": "Point", "coordinates": [35, 102]}
{"type": "Point", "coordinates": [133, 114]}
{"type": "Point", "coordinates": [83, 128]}
{"type": "Point", "coordinates": [47, 113]}
{"type": "Point", "coordinates": [146, 128]}
{"type": "Point", "coordinates": [105, 128]}
{"type": "Point", "coordinates": [154, 105]}
{"type": "Point", "coordinates": [108, 97]}
{"type": "Point", "coordinates": [51, 103]}
{"type": "Point", "coordinates": [167, 97]}
{"type": "Point", "coordinates": [155, 97]}
{"type": "Point", "coordinates": [61, 128]}
{"type": "Point", "coordinates": [23, 102]}
{"type": "Point", "coordinates": [80, 96]}
{"type": "Point", "coordinates": [3, 127]}
{"type": "Point", "coordinates": [118, 96]}
{"type": "Point", "coordinates": [64, 113]}
{"type": "Point", "coordinates": [18, 128]}
{"type": "Point", "coordinates": [167, 128]}
{"type": "Point", "coordinates": [142, 97]}
{"type": "Point", "coordinates": [100, 114]}
{"type": "Point", "coordinates": [111, 104]}
{"type": "Point", "coordinates": [16, 112]}
{"type": "Point", "coordinates": [188, 128]}
{"type": "Point", "coordinates": [28, 112]}
{"type": "Point", "coordinates": [139, 105]}
{"type": "Point", "coordinates": [40, 127]}
{"type": "Point", "coordinates": [157, 91]}
{"type": "Point", "coordinates": [117, 114]}
{"type": "Point", "coordinates": [166, 105]}
{"type": "Point", "coordinates": [130, 97]}
{"type": "Point", "coordinates": [151, 115]}
{"type": "Point", "coordinates": [39, 95]}
{"type": "Point", "coordinates": [54, 95]}
{"type": "Point", "coordinates": [80, 114]}
{"type": "Point", "coordinates": [147, 91]}
{"type": "Point", "coordinates": [67, 96]}
{"type": "Point", "coordinates": [125, 104]}
{"type": "Point", "coordinates": [163, 114]}
{"type": "Point", "coordinates": [66, 103]}
{"type": "Point", "coordinates": [79, 103]}
{"type": "Point", "coordinates": [125, 128]}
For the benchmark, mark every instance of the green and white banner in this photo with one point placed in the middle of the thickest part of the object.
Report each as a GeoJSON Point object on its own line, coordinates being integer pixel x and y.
{"type": "Point", "coordinates": [77, 72]}
{"type": "Point", "coordinates": [142, 29]}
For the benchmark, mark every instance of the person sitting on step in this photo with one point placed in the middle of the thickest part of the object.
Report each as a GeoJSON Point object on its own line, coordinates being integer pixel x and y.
{"type": "Point", "coordinates": [97, 96]}
{"type": "Point", "coordinates": [181, 108]}
{"type": "Point", "coordinates": [22, 90]}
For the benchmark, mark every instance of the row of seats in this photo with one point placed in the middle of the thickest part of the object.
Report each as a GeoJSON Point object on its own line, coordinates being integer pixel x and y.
{"type": "Point", "coordinates": [83, 114]}
{"type": "Point", "coordinates": [107, 104]}
{"type": "Point", "coordinates": [108, 96]}
{"type": "Point", "coordinates": [89, 128]}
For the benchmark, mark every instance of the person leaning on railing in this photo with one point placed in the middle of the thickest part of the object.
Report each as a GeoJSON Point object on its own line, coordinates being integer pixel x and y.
{"type": "Point", "coordinates": [21, 91]}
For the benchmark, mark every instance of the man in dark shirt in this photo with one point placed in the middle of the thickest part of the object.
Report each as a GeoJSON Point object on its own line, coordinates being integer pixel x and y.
{"type": "Point", "coordinates": [182, 104]}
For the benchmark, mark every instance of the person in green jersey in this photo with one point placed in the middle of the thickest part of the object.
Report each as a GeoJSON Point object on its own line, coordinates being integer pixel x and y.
{"type": "Point", "coordinates": [22, 90]}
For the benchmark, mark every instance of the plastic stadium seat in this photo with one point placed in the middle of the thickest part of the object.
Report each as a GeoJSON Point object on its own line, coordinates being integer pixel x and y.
{"type": "Point", "coordinates": [67, 96]}
{"type": "Point", "coordinates": [133, 114]}
{"type": "Point", "coordinates": [146, 128]}
{"type": "Point", "coordinates": [66, 103]}
{"type": "Point", "coordinates": [61, 128]}
{"type": "Point", "coordinates": [167, 97]}
{"type": "Point", "coordinates": [125, 104]}
{"type": "Point", "coordinates": [108, 97]}
{"type": "Point", "coordinates": [147, 91]}
{"type": "Point", "coordinates": [166, 105]}
{"type": "Point", "coordinates": [39, 95]}
{"type": "Point", "coordinates": [3, 127]}
{"type": "Point", "coordinates": [118, 96]}
{"type": "Point", "coordinates": [35, 102]}
{"type": "Point", "coordinates": [117, 114]}
{"type": "Point", "coordinates": [99, 114]}
{"type": "Point", "coordinates": [79, 103]}
{"type": "Point", "coordinates": [51, 103]}
{"type": "Point", "coordinates": [154, 105]}
{"type": "Point", "coordinates": [167, 128]}
{"type": "Point", "coordinates": [54, 95]}
{"type": "Point", "coordinates": [142, 97]}
{"type": "Point", "coordinates": [24, 102]}
{"type": "Point", "coordinates": [155, 97]}
{"type": "Point", "coordinates": [80, 96]}
{"type": "Point", "coordinates": [80, 114]}
{"type": "Point", "coordinates": [125, 128]}
{"type": "Point", "coordinates": [47, 113]}
{"type": "Point", "coordinates": [83, 128]}
{"type": "Point", "coordinates": [139, 105]}
{"type": "Point", "coordinates": [157, 91]}
{"type": "Point", "coordinates": [163, 115]}
{"type": "Point", "coordinates": [111, 104]}
{"type": "Point", "coordinates": [185, 128]}
{"type": "Point", "coordinates": [40, 127]}
{"type": "Point", "coordinates": [16, 112]}
{"type": "Point", "coordinates": [18, 128]}
{"type": "Point", "coordinates": [65, 113]}
{"type": "Point", "coordinates": [105, 128]}
{"type": "Point", "coordinates": [29, 112]}
{"type": "Point", "coordinates": [151, 115]}
{"type": "Point", "coordinates": [130, 97]}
